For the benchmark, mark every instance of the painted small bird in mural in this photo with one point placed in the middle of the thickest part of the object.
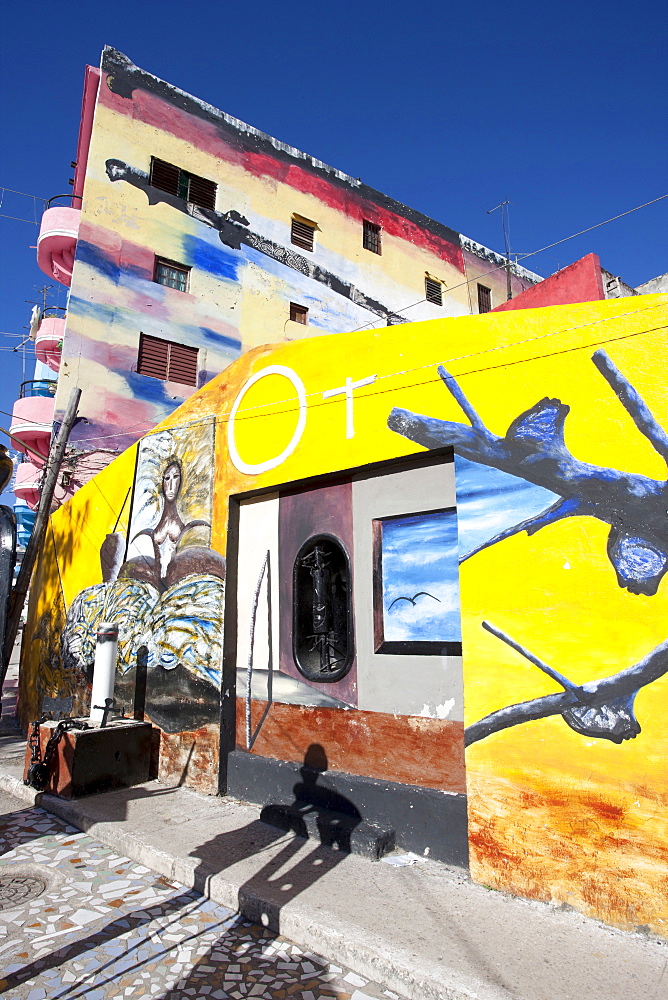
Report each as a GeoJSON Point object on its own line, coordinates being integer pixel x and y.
{"type": "Point", "coordinates": [413, 599]}
{"type": "Point", "coordinates": [635, 506]}
{"type": "Point", "coordinates": [602, 709]}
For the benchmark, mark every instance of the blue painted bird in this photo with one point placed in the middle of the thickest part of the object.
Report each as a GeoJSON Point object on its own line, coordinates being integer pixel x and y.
{"type": "Point", "coordinates": [635, 506]}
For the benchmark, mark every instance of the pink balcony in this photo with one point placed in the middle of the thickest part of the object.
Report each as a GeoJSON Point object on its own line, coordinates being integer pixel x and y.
{"type": "Point", "coordinates": [32, 419]}
{"type": "Point", "coordinates": [57, 242]}
{"type": "Point", "coordinates": [48, 341]}
{"type": "Point", "coordinates": [26, 487]}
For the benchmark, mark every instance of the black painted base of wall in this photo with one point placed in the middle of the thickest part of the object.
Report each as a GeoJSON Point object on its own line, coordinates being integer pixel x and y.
{"type": "Point", "coordinates": [420, 817]}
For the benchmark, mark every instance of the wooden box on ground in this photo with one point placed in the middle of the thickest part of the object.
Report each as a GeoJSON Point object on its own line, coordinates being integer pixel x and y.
{"type": "Point", "coordinates": [96, 759]}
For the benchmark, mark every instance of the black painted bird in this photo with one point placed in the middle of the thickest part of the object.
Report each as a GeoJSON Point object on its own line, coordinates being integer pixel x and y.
{"type": "Point", "coordinates": [413, 598]}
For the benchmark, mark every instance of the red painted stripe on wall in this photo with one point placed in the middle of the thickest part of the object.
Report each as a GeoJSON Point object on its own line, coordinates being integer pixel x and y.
{"type": "Point", "coordinates": [206, 136]}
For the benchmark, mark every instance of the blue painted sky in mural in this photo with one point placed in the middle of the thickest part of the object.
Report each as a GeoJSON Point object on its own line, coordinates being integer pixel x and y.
{"type": "Point", "coordinates": [420, 554]}
{"type": "Point", "coordinates": [489, 501]}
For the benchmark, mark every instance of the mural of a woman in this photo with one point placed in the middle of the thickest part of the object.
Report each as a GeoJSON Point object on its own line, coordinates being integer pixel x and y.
{"type": "Point", "coordinates": [167, 596]}
{"type": "Point", "coordinates": [170, 562]}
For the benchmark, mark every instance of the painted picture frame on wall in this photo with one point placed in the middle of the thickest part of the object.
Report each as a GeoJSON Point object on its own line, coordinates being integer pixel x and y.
{"type": "Point", "coordinates": [416, 584]}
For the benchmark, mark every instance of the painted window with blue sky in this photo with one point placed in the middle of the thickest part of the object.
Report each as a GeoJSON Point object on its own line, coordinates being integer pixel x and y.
{"type": "Point", "coordinates": [417, 580]}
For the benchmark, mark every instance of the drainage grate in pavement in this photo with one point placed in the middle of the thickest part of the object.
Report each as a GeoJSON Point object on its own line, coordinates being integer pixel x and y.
{"type": "Point", "coordinates": [20, 888]}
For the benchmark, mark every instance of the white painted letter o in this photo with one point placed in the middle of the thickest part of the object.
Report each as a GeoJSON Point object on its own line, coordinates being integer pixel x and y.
{"type": "Point", "coordinates": [271, 463]}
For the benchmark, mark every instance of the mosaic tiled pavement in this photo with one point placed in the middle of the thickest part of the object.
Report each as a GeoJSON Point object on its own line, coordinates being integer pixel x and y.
{"type": "Point", "coordinates": [107, 927]}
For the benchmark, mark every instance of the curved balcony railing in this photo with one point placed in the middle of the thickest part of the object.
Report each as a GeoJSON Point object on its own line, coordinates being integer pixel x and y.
{"type": "Point", "coordinates": [32, 421]}
{"type": "Point", "coordinates": [27, 484]}
{"type": "Point", "coordinates": [38, 387]}
{"type": "Point", "coordinates": [57, 241]}
{"type": "Point", "coordinates": [25, 522]}
{"type": "Point", "coordinates": [49, 341]}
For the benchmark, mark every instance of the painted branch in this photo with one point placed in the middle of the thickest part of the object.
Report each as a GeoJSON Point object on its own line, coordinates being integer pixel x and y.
{"type": "Point", "coordinates": [515, 715]}
{"type": "Point", "coordinates": [632, 403]}
{"type": "Point", "coordinates": [251, 649]}
{"type": "Point", "coordinates": [600, 692]}
{"type": "Point", "coordinates": [453, 388]}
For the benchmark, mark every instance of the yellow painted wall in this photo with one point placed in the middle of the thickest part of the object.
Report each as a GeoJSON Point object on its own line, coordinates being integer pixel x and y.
{"type": "Point", "coordinates": [553, 814]}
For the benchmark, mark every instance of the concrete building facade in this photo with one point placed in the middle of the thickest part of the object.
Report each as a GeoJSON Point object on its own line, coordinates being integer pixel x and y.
{"type": "Point", "coordinates": [192, 237]}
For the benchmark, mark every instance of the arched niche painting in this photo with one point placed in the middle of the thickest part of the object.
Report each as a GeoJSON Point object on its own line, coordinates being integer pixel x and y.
{"type": "Point", "coordinates": [322, 637]}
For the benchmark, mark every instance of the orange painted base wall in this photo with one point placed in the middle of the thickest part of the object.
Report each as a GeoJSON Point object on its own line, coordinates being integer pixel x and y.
{"type": "Point", "coordinates": [408, 749]}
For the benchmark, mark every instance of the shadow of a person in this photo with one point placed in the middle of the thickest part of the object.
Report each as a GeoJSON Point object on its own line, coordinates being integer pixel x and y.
{"type": "Point", "coordinates": [335, 815]}
{"type": "Point", "coordinates": [292, 864]}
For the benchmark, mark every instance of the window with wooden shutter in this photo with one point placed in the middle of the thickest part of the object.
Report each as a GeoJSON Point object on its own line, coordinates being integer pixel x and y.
{"type": "Point", "coordinates": [433, 291]}
{"type": "Point", "coordinates": [370, 236]}
{"type": "Point", "coordinates": [172, 179]}
{"type": "Point", "coordinates": [484, 299]}
{"type": "Point", "coordinates": [302, 233]}
{"type": "Point", "coordinates": [298, 314]}
{"type": "Point", "coordinates": [166, 360]}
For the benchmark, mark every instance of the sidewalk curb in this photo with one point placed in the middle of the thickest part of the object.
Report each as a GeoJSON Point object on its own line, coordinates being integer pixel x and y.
{"type": "Point", "coordinates": [303, 924]}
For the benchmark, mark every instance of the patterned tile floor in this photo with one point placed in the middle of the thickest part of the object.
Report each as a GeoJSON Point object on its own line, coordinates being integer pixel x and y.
{"type": "Point", "coordinates": [107, 927]}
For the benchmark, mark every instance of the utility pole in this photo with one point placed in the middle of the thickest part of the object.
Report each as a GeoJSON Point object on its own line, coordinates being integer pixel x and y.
{"type": "Point", "coordinates": [505, 223]}
{"type": "Point", "coordinates": [34, 545]}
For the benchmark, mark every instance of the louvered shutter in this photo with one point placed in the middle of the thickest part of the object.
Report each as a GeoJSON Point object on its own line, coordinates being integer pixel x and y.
{"type": "Point", "coordinates": [371, 236]}
{"type": "Point", "coordinates": [202, 192]}
{"type": "Point", "coordinates": [182, 364]}
{"type": "Point", "coordinates": [484, 299]}
{"type": "Point", "coordinates": [153, 357]}
{"type": "Point", "coordinates": [165, 176]}
{"type": "Point", "coordinates": [433, 291]}
{"type": "Point", "coordinates": [302, 234]}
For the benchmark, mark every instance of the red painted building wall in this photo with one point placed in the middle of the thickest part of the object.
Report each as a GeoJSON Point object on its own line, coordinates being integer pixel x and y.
{"type": "Point", "coordinates": [579, 282]}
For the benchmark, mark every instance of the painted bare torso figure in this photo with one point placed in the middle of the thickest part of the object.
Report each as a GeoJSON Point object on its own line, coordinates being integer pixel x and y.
{"type": "Point", "coordinates": [170, 563]}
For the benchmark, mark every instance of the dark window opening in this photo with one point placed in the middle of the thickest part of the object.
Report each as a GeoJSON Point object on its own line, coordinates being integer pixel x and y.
{"type": "Point", "coordinates": [197, 190]}
{"type": "Point", "coordinates": [298, 314]}
{"type": "Point", "coordinates": [166, 360]}
{"type": "Point", "coordinates": [322, 636]}
{"type": "Point", "coordinates": [371, 236]}
{"type": "Point", "coordinates": [433, 291]}
{"type": "Point", "coordinates": [302, 234]}
{"type": "Point", "coordinates": [484, 299]}
{"type": "Point", "coordinates": [171, 274]}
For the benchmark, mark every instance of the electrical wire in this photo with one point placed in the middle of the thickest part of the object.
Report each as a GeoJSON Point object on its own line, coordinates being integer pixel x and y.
{"type": "Point", "coordinates": [461, 357]}
{"type": "Point", "coordinates": [524, 256]}
{"type": "Point", "coordinates": [407, 371]}
{"type": "Point", "coordinates": [83, 520]}
{"type": "Point", "coordinates": [433, 364]}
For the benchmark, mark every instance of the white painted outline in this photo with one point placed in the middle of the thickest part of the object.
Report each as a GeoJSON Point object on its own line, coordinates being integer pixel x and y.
{"type": "Point", "coordinates": [271, 463]}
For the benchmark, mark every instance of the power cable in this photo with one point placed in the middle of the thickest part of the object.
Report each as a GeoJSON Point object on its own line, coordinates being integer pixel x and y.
{"type": "Point", "coordinates": [524, 256]}
{"type": "Point", "coordinates": [407, 371]}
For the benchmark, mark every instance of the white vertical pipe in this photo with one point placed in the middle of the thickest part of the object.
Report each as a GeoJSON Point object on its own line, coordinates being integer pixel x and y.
{"type": "Point", "coordinates": [104, 670]}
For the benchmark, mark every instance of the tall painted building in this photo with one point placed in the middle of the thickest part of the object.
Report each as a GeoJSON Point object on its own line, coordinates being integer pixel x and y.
{"type": "Point", "coordinates": [192, 237]}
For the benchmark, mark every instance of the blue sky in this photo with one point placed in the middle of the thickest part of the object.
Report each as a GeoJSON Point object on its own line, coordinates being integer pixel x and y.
{"type": "Point", "coordinates": [420, 554]}
{"type": "Point", "coordinates": [448, 108]}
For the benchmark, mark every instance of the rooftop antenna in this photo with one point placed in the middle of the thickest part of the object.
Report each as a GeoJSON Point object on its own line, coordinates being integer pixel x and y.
{"type": "Point", "coordinates": [505, 223]}
{"type": "Point", "coordinates": [43, 291]}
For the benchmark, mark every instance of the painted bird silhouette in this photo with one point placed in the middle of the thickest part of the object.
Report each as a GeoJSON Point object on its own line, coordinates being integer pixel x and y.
{"type": "Point", "coordinates": [602, 709]}
{"type": "Point", "coordinates": [413, 599]}
{"type": "Point", "coordinates": [635, 506]}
